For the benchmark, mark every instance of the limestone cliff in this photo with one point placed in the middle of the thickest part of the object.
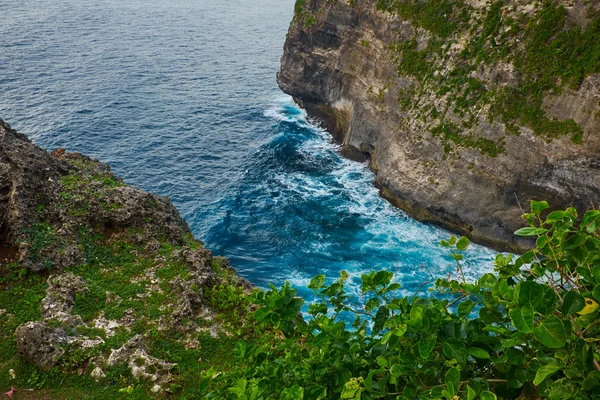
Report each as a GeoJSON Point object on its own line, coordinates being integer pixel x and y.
{"type": "Point", "coordinates": [467, 109]}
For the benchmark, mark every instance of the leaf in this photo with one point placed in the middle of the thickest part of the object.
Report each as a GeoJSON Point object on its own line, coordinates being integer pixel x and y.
{"type": "Point", "coordinates": [471, 394]}
{"type": "Point", "coordinates": [530, 231]}
{"type": "Point", "coordinates": [596, 292]}
{"type": "Point", "coordinates": [380, 317]}
{"type": "Point", "coordinates": [538, 206]}
{"type": "Point", "coordinates": [574, 241]}
{"type": "Point", "coordinates": [453, 377]}
{"type": "Point", "coordinates": [372, 304]}
{"type": "Point", "coordinates": [544, 372]}
{"type": "Point", "coordinates": [555, 216]}
{"type": "Point", "coordinates": [590, 307]}
{"type": "Point", "coordinates": [465, 308]}
{"type": "Point", "coordinates": [400, 330]}
{"type": "Point", "coordinates": [316, 392]}
{"type": "Point", "coordinates": [573, 303]}
{"type": "Point", "coordinates": [522, 319]}
{"type": "Point", "coordinates": [462, 243]}
{"type": "Point", "coordinates": [317, 282]}
{"type": "Point", "coordinates": [292, 393]}
{"type": "Point", "coordinates": [382, 361]}
{"type": "Point", "coordinates": [551, 333]}
{"type": "Point", "coordinates": [396, 370]}
{"type": "Point", "coordinates": [487, 396]}
{"type": "Point", "coordinates": [479, 353]}
{"type": "Point", "coordinates": [426, 346]}
{"type": "Point", "coordinates": [530, 293]}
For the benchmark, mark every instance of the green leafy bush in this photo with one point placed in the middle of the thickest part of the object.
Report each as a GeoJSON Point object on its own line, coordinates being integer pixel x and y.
{"type": "Point", "coordinates": [527, 330]}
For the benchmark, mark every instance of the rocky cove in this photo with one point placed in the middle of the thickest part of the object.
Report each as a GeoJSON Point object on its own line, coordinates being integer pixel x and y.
{"type": "Point", "coordinates": [466, 110]}
{"type": "Point", "coordinates": [465, 117]}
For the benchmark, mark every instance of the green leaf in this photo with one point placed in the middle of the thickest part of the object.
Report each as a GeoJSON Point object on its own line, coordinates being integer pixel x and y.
{"type": "Point", "coordinates": [316, 392]}
{"type": "Point", "coordinates": [555, 216]}
{"type": "Point", "coordinates": [479, 353]}
{"type": "Point", "coordinates": [292, 393]}
{"type": "Point", "coordinates": [396, 370]}
{"type": "Point", "coordinates": [574, 241]}
{"type": "Point", "coordinates": [487, 396]}
{"type": "Point", "coordinates": [551, 333]}
{"type": "Point", "coordinates": [382, 361]}
{"type": "Point", "coordinates": [453, 377]}
{"type": "Point", "coordinates": [380, 317]}
{"type": "Point", "coordinates": [317, 282]}
{"type": "Point", "coordinates": [465, 308]}
{"type": "Point", "coordinates": [462, 243]}
{"type": "Point", "coordinates": [544, 372]}
{"type": "Point", "coordinates": [386, 338]}
{"type": "Point", "coordinates": [596, 292]}
{"type": "Point", "coordinates": [522, 318]}
{"type": "Point", "coordinates": [538, 206]}
{"type": "Point", "coordinates": [426, 346]}
{"type": "Point", "coordinates": [471, 394]}
{"type": "Point", "coordinates": [530, 231]}
{"type": "Point", "coordinates": [487, 281]}
{"type": "Point", "coordinates": [372, 304]}
{"type": "Point", "coordinates": [573, 302]}
{"type": "Point", "coordinates": [530, 293]}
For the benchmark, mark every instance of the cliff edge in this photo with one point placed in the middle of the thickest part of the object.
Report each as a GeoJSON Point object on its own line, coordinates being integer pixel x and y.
{"type": "Point", "coordinates": [466, 109]}
{"type": "Point", "coordinates": [104, 291]}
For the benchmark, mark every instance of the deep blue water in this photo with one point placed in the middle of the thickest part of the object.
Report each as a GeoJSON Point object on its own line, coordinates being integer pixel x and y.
{"type": "Point", "coordinates": [180, 98]}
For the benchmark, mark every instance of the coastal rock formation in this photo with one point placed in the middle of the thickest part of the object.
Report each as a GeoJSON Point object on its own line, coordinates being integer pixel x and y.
{"type": "Point", "coordinates": [465, 109]}
{"type": "Point", "coordinates": [108, 268]}
{"type": "Point", "coordinates": [46, 198]}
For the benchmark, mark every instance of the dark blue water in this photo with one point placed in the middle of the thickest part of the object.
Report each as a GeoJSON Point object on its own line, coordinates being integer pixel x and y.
{"type": "Point", "coordinates": [180, 98]}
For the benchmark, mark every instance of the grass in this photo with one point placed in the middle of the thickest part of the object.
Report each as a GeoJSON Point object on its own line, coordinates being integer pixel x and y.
{"type": "Point", "coordinates": [125, 283]}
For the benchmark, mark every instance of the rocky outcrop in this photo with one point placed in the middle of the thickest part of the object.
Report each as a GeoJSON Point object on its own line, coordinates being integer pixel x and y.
{"type": "Point", "coordinates": [45, 342]}
{"type": "Point", "coordinates": [118, 264]}
{"type": "Point", "coordinates": [460, 115]}
{"type": "Point", "coordinates": [46, 198]}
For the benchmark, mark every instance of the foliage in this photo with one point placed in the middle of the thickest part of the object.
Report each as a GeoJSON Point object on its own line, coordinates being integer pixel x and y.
{"type": "Point", "coordinates": [549, 53]}
{"type": "Point", "coordinates": [529, 329]}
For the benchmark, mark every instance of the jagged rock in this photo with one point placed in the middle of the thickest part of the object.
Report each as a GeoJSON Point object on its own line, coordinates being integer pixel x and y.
{"type": "Point", "coordinates": [41, 344]}
{"type": "Point", "coordinates": [189, 296]}
{"type": "Point", "coordinates": [45, 199]}
{"type": "Point", "coordinates": [142, 365]}
{"type": "Point", "coordinates": [97, 374]}
{"type": "Point", "coordinates": [60, 298]}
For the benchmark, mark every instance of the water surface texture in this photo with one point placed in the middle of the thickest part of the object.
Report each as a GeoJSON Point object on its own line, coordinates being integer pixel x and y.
{"type": "Point", "coordinates": [180, 98]}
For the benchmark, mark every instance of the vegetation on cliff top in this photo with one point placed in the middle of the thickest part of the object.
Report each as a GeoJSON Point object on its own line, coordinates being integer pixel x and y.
{"type": "Point", "coordinates": [138, 312]}
{"type": "Point", "coordinates": [548, 53]}
{"type": "Point", "coordinates": [529, 330]}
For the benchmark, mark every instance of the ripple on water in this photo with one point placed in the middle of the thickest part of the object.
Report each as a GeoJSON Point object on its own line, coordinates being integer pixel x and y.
{"type": "Point", "coordinates": [180, 98]}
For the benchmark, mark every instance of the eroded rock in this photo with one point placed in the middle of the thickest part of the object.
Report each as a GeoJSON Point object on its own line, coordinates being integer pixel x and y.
{"type": "Point", "coordinates": [142, 365]}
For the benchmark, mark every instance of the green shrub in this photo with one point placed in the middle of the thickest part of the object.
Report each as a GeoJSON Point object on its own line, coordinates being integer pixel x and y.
{"type": "Point", "coordinates": [527, 330]}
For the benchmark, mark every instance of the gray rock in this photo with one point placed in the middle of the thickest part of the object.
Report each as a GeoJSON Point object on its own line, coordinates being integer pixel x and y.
{"type": "Point", "coordinates": [41, 344]}
{"type": "Point", "coordinates": [142, 365]}
{"type": "Point", "coordinates": [40, 218]}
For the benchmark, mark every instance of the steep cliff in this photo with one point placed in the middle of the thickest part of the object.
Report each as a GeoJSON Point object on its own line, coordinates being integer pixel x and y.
{"type": "Point", "coordinates": [466, 109]}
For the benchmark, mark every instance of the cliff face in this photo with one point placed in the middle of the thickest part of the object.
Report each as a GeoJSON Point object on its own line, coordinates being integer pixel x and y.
{"type": "Point", "coordinates": [466, 109]}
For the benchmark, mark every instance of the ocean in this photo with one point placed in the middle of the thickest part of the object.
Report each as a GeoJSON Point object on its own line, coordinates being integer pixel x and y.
{"type": "Point", "coordinates": [180, 98]}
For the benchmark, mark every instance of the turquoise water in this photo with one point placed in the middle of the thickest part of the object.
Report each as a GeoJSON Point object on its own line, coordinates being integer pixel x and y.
{"type": "Point", "coordinates": [180, 98]}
